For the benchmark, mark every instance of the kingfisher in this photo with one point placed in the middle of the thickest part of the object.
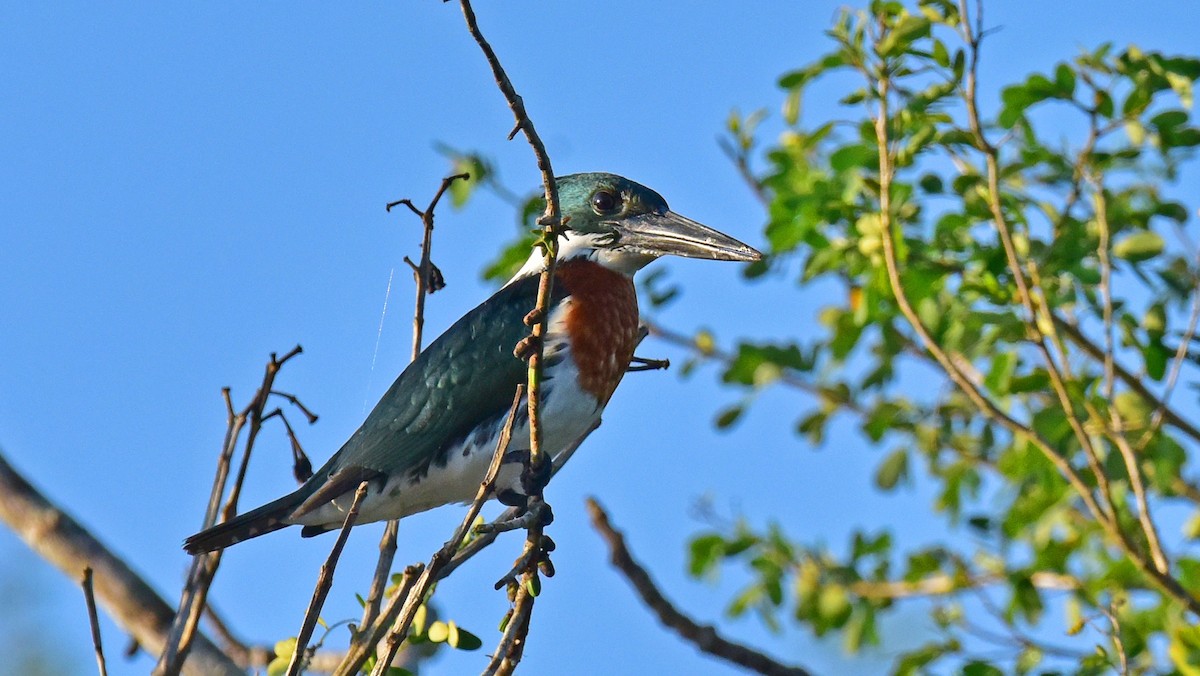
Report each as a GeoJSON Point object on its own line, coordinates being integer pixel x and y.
{"type": "Point", "coordinates": [430, 439]}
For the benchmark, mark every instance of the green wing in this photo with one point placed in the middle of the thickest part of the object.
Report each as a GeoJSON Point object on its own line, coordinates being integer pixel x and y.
{"type": "Point", "coordinates": [466, 376]}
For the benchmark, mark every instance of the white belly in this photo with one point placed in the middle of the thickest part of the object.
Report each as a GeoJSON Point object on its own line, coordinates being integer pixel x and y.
{"type": "Point", "coordinates": [567, 414]}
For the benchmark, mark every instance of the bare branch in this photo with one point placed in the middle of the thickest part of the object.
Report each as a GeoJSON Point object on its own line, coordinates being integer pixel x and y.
{"type": "Point", "coordinates": [1131, 379]}
{"type": "Point", "coordinates": [426, 282]}
{"type": "Point", "coordinates": [68, 546]}
{"type": "Point", "coordinates": [204, 567]}
{"type": "Point", "coordinates": [324, 582]}
{"type": "Point", "coordinates": [703, 637]}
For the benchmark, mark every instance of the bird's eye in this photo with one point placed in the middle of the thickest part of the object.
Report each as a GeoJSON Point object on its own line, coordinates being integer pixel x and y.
{"type": "Point", "coordinates": [604, 202]}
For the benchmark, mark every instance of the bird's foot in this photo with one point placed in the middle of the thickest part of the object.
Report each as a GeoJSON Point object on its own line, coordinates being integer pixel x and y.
{"type": "Point", "coordinates": [535, 316]}
{"type": "Point", "coordinates": [535, 476]}
{"type": "Point", "coordinates": [527, 347]}
{"type": "Point", "coordinates": [512, 498]}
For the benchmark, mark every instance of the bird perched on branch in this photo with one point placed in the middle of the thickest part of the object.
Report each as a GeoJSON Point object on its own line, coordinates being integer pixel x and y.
{"type": "Point", "coordinates": [430, 439]}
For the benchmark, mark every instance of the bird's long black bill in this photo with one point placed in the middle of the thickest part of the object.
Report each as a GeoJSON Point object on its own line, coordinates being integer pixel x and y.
{"type": "Point", "coordinates": [670, 233]}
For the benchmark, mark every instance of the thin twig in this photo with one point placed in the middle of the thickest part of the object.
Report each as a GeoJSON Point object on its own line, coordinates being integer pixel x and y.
{"type": "Point", "coordinates": [964, 383]}
{"type": "Point", "coordinates": [551, 222]}
{"type": "Point", "coordinates": [1116, 426]}
{"type": "Point", "coordinates": [1057, 372]}
{"type": "Point", "coordinates": [295, 401]}
{"type": "Point", "coordinates": [89, 597]}
{"type": "Point", "coordinates": [1132, 380]}
{"type": "Point", "coordinates": [204, 567]}
{"type": "Point", "coordinates": [324, 583]}
{"type": "Point", "coordinates": [741, 161]}
{"type": "Point", "coordinates": [415, 596]}
{"type": "Point", "coordinates": [705, 638]}
{"type": "Point", "coordinates": [644, 364]}
{"type": "Point", "coordinates": [1161, 411]}
{"type": "Point", "coordinates": [1102, 252]}
{"type": "Point", "coordinates": [423, 273]}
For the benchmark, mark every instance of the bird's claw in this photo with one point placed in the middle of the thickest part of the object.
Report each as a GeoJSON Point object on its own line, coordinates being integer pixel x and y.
{"type": "Point", "coordinates": [535, 316]}
{"type": "Point", "coordinates": [526, 348]}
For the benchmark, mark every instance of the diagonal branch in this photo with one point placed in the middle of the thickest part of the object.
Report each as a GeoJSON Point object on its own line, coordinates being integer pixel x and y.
{"type": "Point", "coordinates": [1058, 373]}
{"type": "Point", "coordinates": [204, 567]}
{"type": "Point", "coordinates": [426, 283]}
{"type": "Point", "coordinates": [324, 583]}
{"type": "Point", "coordinates": [127, 598]}
{"type": "Point", "coordinates": [703, 637]}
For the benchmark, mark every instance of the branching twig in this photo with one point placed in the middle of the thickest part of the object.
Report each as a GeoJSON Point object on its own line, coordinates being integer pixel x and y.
{"type": "Point", "coordinates": [705, 638]}
{"type": "Point", "coordinates": [426, 282]}
{"type": "Point", "coordinates": [414, 597]}
{"type": "Point", "coordinates": [981, 401]}
{"type": "Point", "coordinates": [324, 582]}
{"type": "Point", "coordinates": [1057, 373]}
{"type": "Point", "coordinates": [204, 567]}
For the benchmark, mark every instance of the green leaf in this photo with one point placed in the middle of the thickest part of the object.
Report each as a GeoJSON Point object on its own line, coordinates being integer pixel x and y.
{"type": "Point", "coordinates": [419, 619]}
{"type": "Point", "coordinates": [286, 647]}
{"type": "Point", "coordinates": [1136, 102]}
{"type": "Point", "coordinates": [941, 56]}
{"type": "Point", "coordinates": [461, 639]}
{"type": "Point", "coordinates": [931, 183]}
{"type": "Point", "coordinates": [908, 29]}
{"type": "Point", "coordinates": [980, 668]}
{"type": "Point", "coordinates": [854, 156]}
{"type": "Point", "coordinates": [729, 416]}
{"type": "Point", "coordinates": [893, 468]}
{"type": "Point", "coordinates": [478, 171]}
{"type": "Point", "coordinates": [283, 657]}
{"type": "Point", "coordinates": [1026, 600]}
{"type": "Point", "coordinates": [1139, 246]}
{"type": "Point", "coordinates": [1169, 119]}
{"type": "Point", "coordinates": [510, 259]}
{"type": "Point", "coordinates": [279, 666]}
{"type": "Point", "coordinates": [1064, 81]}
{"type": "Point", "coordinates": [1156, 356]}
{"type": "Point", "coordinates": [812, 426]}
{"type": "Point", "coordinates": [833, 603]}
{"type": "Point", "coordinates": [1172, 210]}
{"type": "Point", "coordinates": [999, 377]}
{"type": "Point", "coordinates": [1134, 410]}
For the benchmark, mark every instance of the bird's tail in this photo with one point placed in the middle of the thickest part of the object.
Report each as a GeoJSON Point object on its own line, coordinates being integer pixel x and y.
{"type": "Point", "coordinates": [259, 521]}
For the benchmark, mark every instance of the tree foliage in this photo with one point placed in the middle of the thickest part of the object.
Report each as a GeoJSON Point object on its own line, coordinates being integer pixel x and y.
{"type": "Point", "coordinates": [1018, 309]}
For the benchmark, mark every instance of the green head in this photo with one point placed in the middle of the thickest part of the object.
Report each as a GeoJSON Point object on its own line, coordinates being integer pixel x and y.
{"type": "Point", "coordinates": [625, 225]}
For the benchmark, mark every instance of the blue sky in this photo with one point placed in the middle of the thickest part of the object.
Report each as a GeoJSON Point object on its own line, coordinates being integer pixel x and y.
{"type": "Point", "coordinates": [187, 187]}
